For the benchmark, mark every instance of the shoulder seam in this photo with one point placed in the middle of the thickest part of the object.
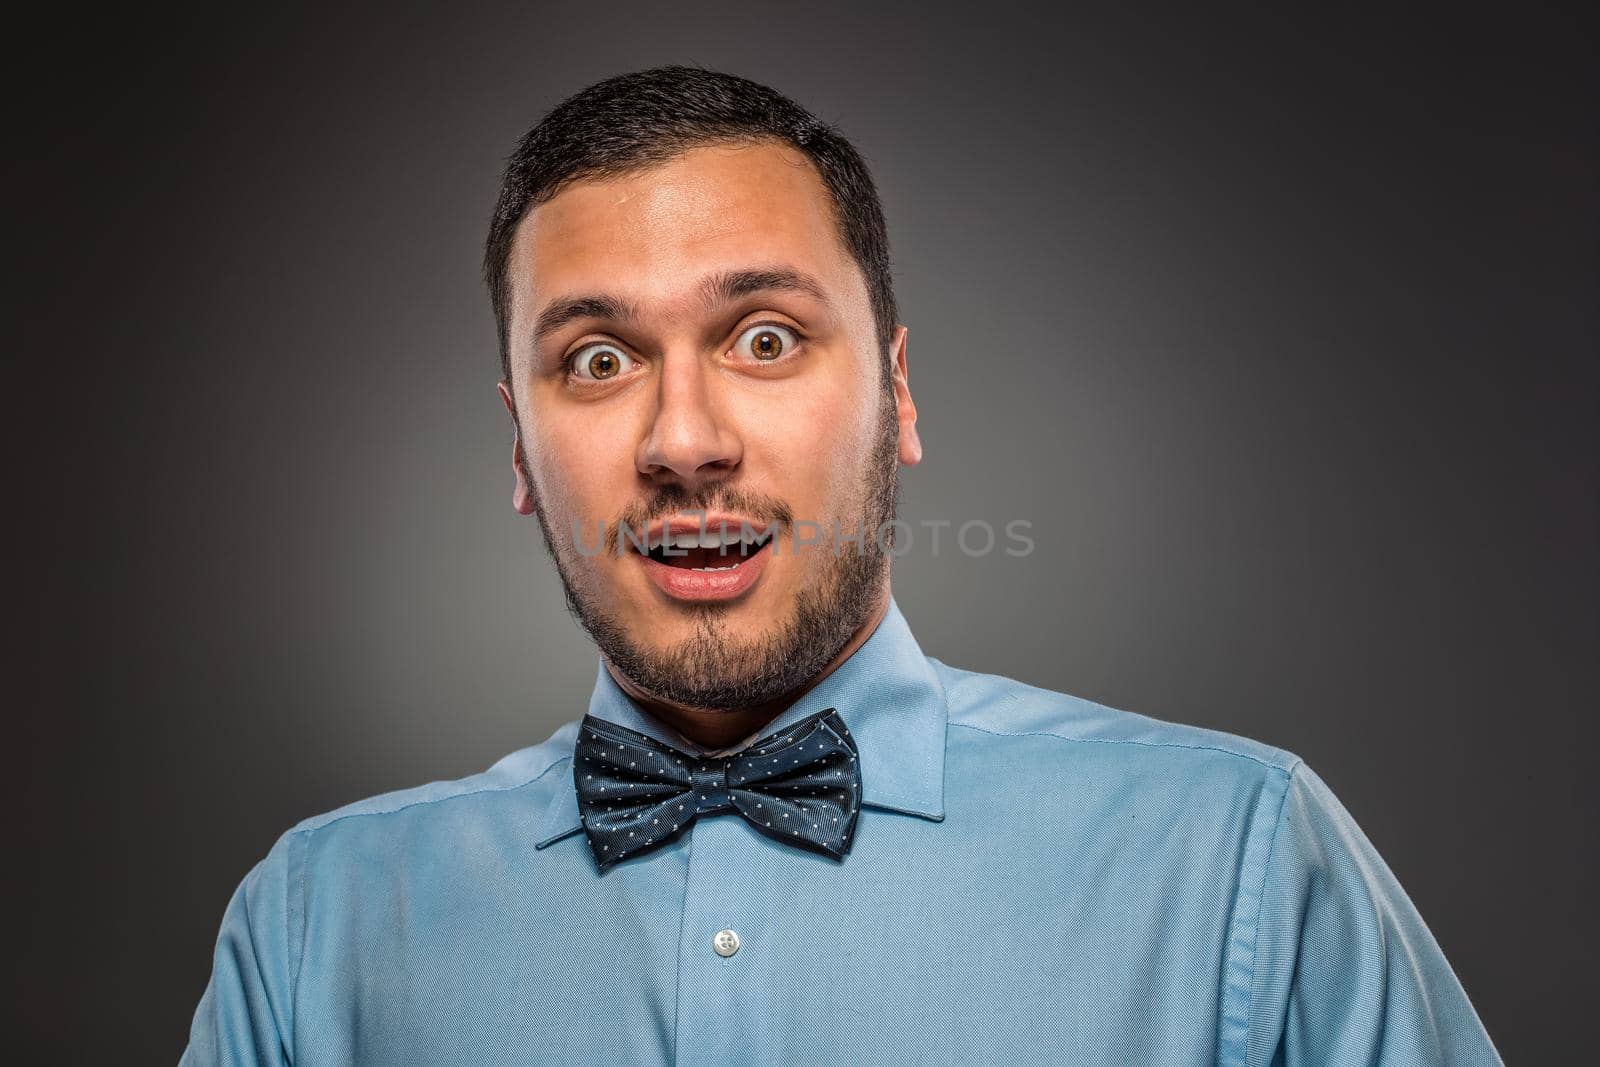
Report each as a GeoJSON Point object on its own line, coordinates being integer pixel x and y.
{"type": "Point", "coordinates": [1128, 741]}
{"type": "Point", "coordinates": [297, 956]}
{"type": "Point", "coordinates": [1260, 900]}
{"type": "Point", "coordinates": [314, 825]}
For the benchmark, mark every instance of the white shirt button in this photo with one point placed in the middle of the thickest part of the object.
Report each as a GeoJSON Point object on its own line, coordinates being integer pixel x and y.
{"type": "Point", "coordinates": [726, 942]}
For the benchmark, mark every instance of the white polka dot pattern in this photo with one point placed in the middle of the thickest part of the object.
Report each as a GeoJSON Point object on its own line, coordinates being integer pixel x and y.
{"type": "Point", "coordinates": [800, 785]}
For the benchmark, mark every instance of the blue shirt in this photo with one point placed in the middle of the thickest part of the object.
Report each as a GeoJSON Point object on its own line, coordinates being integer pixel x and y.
{"type": "Point", "coordinates": [1035, 879]}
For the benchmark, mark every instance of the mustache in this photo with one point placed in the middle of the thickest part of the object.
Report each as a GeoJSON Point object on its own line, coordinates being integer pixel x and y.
{"type": "Point", "coordinates": [768, 511]}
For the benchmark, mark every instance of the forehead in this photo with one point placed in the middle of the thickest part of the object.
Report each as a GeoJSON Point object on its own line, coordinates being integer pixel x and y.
{"type": "Point", "coordinates": [654, 233]}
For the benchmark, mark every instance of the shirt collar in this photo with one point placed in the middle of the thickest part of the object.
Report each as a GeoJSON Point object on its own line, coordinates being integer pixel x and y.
{"type": "Point", "coordinates": [886, 692]}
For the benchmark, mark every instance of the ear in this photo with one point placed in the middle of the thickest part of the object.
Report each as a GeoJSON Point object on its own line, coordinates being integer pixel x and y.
{"type": "Point", "coordinates": [522, 489]}
{"type": "Point", "coordinates": [905, 410]}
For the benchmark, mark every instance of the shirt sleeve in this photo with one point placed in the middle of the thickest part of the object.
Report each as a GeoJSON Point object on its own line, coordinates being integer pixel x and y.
{"type": "Point", "coordinates": [1346, 970]}
{"type": "Point", "coordinates": [244, 1014]}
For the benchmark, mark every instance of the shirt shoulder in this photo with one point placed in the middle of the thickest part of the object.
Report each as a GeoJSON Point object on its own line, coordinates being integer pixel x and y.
{"type": "Point", "coordinates": [536, 767]}
{"type": "Point", "coordinates": [1005, 707]}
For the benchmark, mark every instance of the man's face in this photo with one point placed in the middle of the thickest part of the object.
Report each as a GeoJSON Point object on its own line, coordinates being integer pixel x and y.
{"type": "Point", "coordinates": [694, 337]}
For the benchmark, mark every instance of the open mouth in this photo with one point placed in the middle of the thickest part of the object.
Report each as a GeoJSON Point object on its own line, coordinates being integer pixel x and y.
{"type": "Point", "coordinates": [710, 552]}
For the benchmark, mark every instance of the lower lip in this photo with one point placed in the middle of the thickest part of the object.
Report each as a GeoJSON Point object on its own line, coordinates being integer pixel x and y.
{"type": "Point", "coordinates": [686, 583]}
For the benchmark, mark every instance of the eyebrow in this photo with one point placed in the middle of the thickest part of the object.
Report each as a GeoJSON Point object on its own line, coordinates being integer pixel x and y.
{"type": "Point", "coordinates": [727, 286]}
{"type": "Point", "coordinates": [568, 309]}
{"type": "Point", "coordinates": [723, 287]}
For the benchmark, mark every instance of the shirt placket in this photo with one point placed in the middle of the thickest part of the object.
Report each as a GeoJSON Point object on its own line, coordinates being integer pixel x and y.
{"type": "Point", "coordinates": [720, 936]}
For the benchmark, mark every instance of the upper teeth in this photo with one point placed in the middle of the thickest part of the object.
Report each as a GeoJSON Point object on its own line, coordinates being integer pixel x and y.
{"type": "Point", "coordinates": [711, 539]}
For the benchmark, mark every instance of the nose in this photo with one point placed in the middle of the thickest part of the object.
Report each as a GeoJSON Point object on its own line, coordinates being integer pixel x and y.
{"type": "Point", "coordinates": [689, 441]}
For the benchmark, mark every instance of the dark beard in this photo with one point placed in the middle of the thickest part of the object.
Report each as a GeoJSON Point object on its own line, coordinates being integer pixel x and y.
{"type": "Point", "coordinates": [713, 671]}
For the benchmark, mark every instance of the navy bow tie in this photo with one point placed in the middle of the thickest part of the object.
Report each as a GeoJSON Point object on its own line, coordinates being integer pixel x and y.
{"type": "Point", "coordinates": [801, 785]}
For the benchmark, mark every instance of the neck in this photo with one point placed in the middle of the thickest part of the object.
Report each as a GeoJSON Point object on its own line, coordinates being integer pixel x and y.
{"type": "Point", "coordinates": [723, 727]}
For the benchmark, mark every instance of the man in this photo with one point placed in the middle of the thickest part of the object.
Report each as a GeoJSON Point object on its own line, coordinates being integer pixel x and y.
{"type": "Point", "coordinates": [781, 834]}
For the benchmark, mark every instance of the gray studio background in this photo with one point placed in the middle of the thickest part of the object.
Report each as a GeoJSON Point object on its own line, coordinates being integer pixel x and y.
{"type": "Point", "coordinates": [1279, 329]}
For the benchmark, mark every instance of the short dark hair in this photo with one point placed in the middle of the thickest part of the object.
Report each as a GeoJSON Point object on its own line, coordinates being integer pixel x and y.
{"type": "Point", "coordinates": [641, 119]}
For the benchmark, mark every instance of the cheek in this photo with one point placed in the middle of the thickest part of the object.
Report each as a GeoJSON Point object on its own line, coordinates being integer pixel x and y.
{"type": "Point", "coordinates": [815, 441]}
{"type": "Point", "coordinates": [575, 469]}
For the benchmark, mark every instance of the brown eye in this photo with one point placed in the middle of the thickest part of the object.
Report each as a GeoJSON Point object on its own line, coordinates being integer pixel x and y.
{"type": "Point", "coordinates": [766, 343]}
{"type": "Point", "coordinates": [599, 361]}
